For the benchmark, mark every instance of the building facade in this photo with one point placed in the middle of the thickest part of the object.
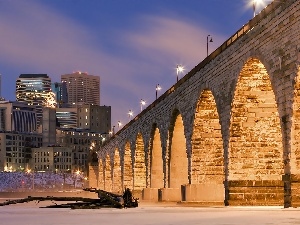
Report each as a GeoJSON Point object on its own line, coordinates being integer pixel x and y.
{"type": "Point", "coordinates": [94, 118]}
{"type": "Point", "coordinates": [82, 144]}
{"type": "Point", "coordinates": [16, 149]}
{"type": "Point", "coordinates": [49, 126]}
{"type": "Point", "coordinates": [82, 88]}
{"type": "Point", "coordinates": [52, 158]}
{"type": "Point", "coordinates": [66, 117]}
{"type": "Point", "coordinates": [17, 117]}
{"type": "Point", "coordinates": [35, 89]}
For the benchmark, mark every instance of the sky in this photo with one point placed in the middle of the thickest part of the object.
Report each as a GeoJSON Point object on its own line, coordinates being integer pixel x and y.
{"type": "Point", "coordinates": [133, 45]}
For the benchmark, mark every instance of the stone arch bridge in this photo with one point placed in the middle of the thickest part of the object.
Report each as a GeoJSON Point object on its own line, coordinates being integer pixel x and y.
{"type": "Point", "coordinates": [228, 132]}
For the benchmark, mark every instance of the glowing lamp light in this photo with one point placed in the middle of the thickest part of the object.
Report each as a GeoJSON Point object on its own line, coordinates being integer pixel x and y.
{"type": "Point", "coordinates": [179, 69]}
{"type": "Point", "coordinates": [256, 3]}
{"type": "Point", "coordinates": [143, 102]}
{"type": "Point", "coordinates": [130, 113]}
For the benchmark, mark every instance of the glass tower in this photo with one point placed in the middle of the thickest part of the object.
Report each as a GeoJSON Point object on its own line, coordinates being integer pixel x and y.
{"type": "Point", "coordinates": [34, 89]}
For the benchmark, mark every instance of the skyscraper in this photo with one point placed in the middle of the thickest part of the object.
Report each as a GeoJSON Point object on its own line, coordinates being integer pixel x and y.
{"type": "Point", "coordinates": [61, 95]}
{"type": "Point", "coordinates": [34, 89]}
{"type": "Point", "coordinates": [82, 88]}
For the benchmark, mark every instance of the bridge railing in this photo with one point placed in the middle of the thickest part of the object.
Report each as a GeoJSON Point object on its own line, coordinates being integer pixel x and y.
{"type": "Point", "coordinates": [241, 32]}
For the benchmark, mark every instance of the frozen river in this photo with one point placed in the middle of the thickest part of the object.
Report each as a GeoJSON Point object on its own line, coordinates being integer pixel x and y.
{"type": "Point", "coordinates": [148, 214]}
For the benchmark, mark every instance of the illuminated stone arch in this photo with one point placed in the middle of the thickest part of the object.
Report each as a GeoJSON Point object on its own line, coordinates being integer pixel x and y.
{"type": "Point", "coordinates": [117, 175]}
{"type": "Point", "coordinates": [108, 177]}
{"type": "Point", "coordinates": [139, 164]}
{"type": "Point", "coordinates": [178, 161]}
{"type": "Point", "coordinates": [255, 148]}
{"type": "Point", "coordinates": [101, 174]}
{"type": "Point", "coordinates": [127, 169]}
{"type": "Point", "coordinates": [207, 144]}
{"type": "Point", "coordinates": [156, 160]}
{"type": "Point", "coordinates": [295, 148]}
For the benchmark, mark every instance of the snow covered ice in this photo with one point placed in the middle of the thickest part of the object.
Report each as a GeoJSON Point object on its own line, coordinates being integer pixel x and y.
{"type": "Point", "coordinates": [147, 214]}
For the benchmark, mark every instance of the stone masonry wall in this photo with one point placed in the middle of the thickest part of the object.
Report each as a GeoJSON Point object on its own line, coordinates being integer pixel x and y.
{"type": "Point", "coordinates": [271, 42]}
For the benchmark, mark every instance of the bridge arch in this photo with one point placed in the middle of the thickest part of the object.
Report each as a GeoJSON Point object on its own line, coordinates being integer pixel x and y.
{"type": "Point", "coordinates": [255, 147]}
{"type": "Point", "coordinates": [156, 159]}
{"type": "Point", "coordinates": [127, 167]}
{"type": "Point", "coordinates": [117, 175]}
{"type": "Point", "coordinates": [107, 174]}
{"type": "Point", "coordinates": [178, 160]}
{"type": "Point", "coordinates": [101, 174]}
{"type": "Point", "coordinates": [139, 163]}
{"type": "Point", "coordinates": [207, 145]}
{"type": "Point", "coordinates": [295, 151]}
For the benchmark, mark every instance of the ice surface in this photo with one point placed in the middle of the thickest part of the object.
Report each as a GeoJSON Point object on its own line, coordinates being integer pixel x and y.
{"type": "Point", "coordinates": [147, 214]}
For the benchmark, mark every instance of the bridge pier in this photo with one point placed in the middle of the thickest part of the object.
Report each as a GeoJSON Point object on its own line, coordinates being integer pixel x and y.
{"type": "Point", "coordinates": [150, 194]}
{"type": "Point", "coordinates": [169, 194]}
{"type": "Point", "coordinates": [204, 194]}
{"type": "Point", "coordinates": [291, 190]}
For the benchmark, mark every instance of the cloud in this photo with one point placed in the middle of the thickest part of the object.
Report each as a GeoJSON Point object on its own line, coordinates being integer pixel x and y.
{"type": "Point", "coordinates": [39, 39]}
{"type": "Point", "coordinates": [168, 38]}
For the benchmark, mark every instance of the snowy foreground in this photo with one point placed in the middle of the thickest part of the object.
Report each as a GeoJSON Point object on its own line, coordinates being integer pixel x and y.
{"type": "Point", "coordinates": [150, 214]}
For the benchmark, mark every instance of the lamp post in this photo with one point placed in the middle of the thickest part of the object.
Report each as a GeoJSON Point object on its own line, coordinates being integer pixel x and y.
{"type": "Point", "coordinates": [113, 130]}
{"type": "Point", "coordinates": [211, 40]}
{"type": "Point", "coordinates": [119, 124]}
{"type": "Point", "coordinates": [75, 177]}
{"type": "Point", "coordinates": [130, 114]}
{"type": "Point", "coordinates": [142, 103]}
{"type": "Point", "coordinates": [29, 171]}
{"type": "Point", "coordinates": [179, 69]}
{"type": "Point", "coordinates": [254, 4]}
{"type": "Point", "coordinates": [158, 88]}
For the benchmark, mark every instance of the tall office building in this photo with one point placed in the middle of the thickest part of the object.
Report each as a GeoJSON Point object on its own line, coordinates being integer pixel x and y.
{"type": "Point", "coordinates": [61, 94]}
{"type": "Point", "coordinates": [82, 88]}
{"type": "Point", "coordinates": [35, 89]}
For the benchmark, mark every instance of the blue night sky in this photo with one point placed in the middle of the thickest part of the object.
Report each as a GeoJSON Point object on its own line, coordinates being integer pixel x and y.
{"type": "Point", "coordinates": [133, 45]}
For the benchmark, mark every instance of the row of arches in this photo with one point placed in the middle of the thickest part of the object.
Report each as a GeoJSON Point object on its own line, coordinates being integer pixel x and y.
{"type": "Point", "coordinates": [253, 151]}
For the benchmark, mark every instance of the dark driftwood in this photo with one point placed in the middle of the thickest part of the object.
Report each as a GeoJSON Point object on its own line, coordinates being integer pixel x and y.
{"type": "Point", "coordinates": [105, 200]}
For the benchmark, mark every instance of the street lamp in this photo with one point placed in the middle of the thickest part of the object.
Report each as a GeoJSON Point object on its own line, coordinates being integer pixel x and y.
{"type": "Point", "coordinates": [179, 69]}
{"type": "Point", "coordinates": [119, 124]}
{"type": "Point", "coordinates": [75, 177]}
{"type": "Point", "coordinates": [130, 114]}
{"type": "Point", "coordinates": [211, 40]}
{"type": "Point", "coordinates": [158, 88]}
{"type": "Point", "coordinates": [255, 3]}
{"type": "Point", "coordinates": [29, 171]}
{"type": "Point", "coordinates": [142, 103]}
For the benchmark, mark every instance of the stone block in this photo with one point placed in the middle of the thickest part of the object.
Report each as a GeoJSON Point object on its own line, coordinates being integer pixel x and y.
{"type": "Point", "coordinates": [150, 194]}
{"type": "Point", "coordinates": [169, 194]}
{"type": "Point", "coordinates": [203, 192]}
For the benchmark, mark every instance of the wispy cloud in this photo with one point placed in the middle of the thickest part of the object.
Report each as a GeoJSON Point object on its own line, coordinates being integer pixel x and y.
{"type": "Point", "coordinates": [38, 39]}
{"type": "Point", "coordinates": [168, 38]}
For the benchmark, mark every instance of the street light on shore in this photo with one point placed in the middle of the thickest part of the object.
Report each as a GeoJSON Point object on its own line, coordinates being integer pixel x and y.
{"type": "Point", "coordinates": [29, 171]}
{"type": "Point", "coordinates": [179, 69]}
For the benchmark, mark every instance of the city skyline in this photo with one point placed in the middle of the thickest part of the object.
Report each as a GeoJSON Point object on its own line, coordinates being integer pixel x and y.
{"type": "Point", "coordinates": [132, 45]}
